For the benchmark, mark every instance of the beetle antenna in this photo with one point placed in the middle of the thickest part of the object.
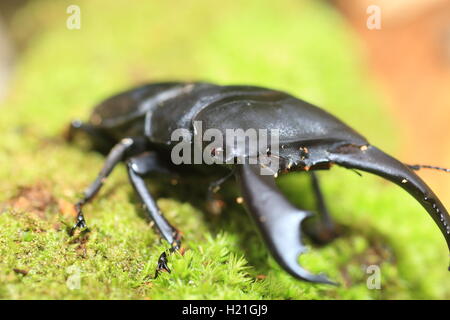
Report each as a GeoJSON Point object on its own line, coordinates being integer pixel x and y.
{"type": "Point", "coordinates": [417, 167]}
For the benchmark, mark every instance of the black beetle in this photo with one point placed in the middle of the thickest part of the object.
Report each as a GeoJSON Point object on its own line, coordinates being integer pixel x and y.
{"type": "Point", "coordinates": [137, 126]}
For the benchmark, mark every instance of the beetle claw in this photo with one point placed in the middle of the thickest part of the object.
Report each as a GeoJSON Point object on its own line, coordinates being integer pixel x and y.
{"type": "Point", "coordinates": [295, 269]}
{"type": "Point", "coordinates": [287, 247]}
{"type": "Point", "coordinates": [278, 221]}
{"type": "Point", "coordinates": [79, 224]}
{"type": "Point", "coordinates": [162, 264]}
{"type": "Point", "coordinates": [162, 260]}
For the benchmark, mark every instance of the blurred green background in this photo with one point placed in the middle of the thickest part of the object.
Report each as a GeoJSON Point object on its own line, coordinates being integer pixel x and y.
{"type": "Point", "coordinates": [303, 47]}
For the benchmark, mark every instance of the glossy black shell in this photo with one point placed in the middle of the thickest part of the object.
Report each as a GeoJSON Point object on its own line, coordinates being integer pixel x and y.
{"type": "Point", "coordinates": [156, 110]}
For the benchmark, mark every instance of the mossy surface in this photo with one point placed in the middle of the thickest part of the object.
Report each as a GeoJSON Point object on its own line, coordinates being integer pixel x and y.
{"type": "Point", "coordinates": [303, 47]}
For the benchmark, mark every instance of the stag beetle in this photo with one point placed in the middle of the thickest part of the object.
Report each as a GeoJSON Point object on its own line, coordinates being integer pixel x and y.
{"type": "Point", "coordinates": [136, 126]}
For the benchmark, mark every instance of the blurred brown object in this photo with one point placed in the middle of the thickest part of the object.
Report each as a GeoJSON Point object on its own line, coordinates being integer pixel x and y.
{"type": "Point", "coordinates": [36, 199]}
{"type": "Point", "coordinates": [410, 59]}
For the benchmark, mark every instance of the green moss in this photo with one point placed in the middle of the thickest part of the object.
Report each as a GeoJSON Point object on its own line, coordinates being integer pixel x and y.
{"type": "Point", "coordinates": [303, 47]}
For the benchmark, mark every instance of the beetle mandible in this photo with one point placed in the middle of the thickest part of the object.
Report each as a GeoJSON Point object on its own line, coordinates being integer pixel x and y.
{"type": "Point", "coordinates": [136, 127]}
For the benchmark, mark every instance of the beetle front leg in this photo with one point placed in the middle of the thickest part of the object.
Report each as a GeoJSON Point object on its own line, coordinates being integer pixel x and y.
{"type": "Point", "coordinates": [114, 157]}
{"type": "Point", "coordinates": [277, 219]}
{"type": "Point", "coordinates": [138, 168]}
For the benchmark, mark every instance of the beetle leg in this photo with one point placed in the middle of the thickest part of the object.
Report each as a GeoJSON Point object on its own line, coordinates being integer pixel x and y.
{"type": "Point", "coordinates": [138, 168]}
{"type": "Point", "coordinates": [277, 219]}
{"type": "Point", "coordinates": [114, 157]}
{"type": "Point", "coordinates": [323, 231]}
